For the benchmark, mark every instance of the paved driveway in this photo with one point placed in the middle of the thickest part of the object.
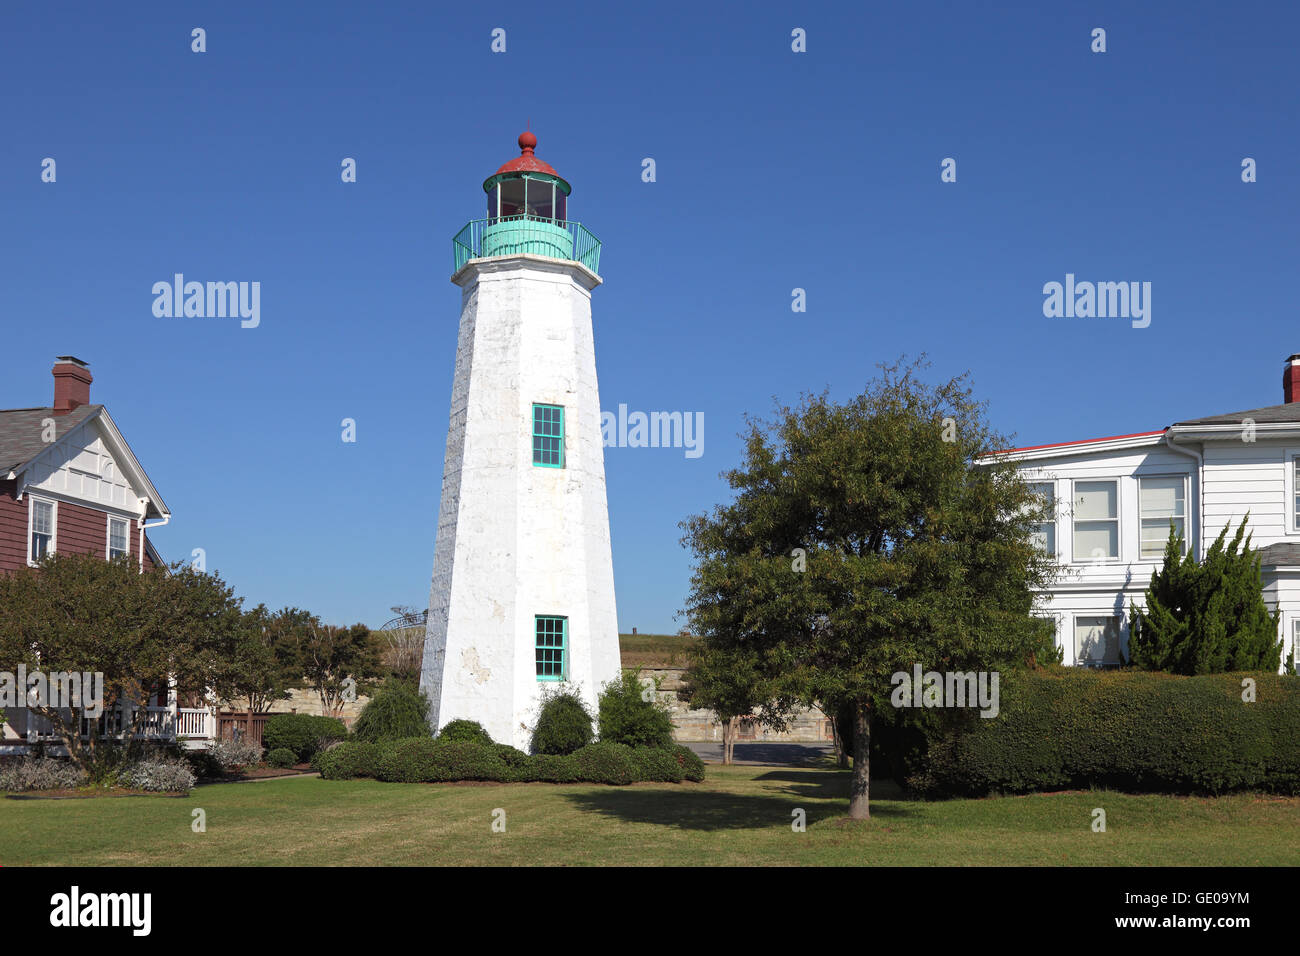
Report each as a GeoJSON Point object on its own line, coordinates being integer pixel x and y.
{"type": "Point", "coordinates": [765, 754]}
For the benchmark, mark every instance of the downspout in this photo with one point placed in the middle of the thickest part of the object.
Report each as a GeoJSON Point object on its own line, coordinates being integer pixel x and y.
{"type": "Point", "coordinates": [144, 526]}
{"type": "Point", "coordinates": [1200, 488]}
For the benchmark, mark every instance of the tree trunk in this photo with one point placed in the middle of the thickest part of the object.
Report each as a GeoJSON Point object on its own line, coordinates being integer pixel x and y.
{"type": "Point", "coordinates": [860, 784]}
{"type": "Point", "coordinates": [726, 741]}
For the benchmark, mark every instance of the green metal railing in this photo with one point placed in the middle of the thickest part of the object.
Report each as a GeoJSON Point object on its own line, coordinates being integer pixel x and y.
{"type": "Point", "coordinates": [516, 235]}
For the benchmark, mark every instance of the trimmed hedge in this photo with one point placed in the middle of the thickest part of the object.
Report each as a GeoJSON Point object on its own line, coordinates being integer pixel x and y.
{"type": "Point", "coordinates": [282, 757]}
{"type": "Point", "coordinates": [1125, 730]}
{"type": "Point", "coordinates": [563, 725]}
{"type": "Point", "coordinates": [304, 734]}
{"type": "Point", "coordinates": [425, 760]}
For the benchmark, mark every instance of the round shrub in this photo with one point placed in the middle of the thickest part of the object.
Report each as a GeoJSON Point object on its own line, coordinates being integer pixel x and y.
{"type": "Point", "coordinates": [563, 725]}
{"type": "Point", "coordinates": [397, 711]}
{"type": "Point", "coordinates": [465, 731]}
{"type": "Point", "coordinates": [304, 734]}
{"type": "Point", "coordinates": [159, 775]}
{"type": "Point", "coordinates": [605, 762]}
{"type": "Point", "coordinates": [656, 765]}
{"type": "Point", "coordinates": [282, 757]}
{"type": "Point", "coordinates": [233, 754]}
{"type": "Point", "coordinates": [689, 761]}
{"type": "Point", "coordinates": [40, 773]}
{"type": "Point", "coordinates": [626, 717]}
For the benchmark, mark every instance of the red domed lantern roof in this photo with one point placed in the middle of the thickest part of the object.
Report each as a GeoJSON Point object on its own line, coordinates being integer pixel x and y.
{"type": "Point", "coordinates": [527, 162]}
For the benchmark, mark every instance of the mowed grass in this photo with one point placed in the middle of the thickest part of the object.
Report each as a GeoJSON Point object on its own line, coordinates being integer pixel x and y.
{"type": "Point", "coordinates": [739, 816]}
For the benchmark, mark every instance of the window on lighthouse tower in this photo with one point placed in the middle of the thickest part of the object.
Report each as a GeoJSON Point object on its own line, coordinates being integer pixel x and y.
{"type": "Point", "coordinates": [548, 435]}
{"type": "Point", "coordinates": [552, 633]}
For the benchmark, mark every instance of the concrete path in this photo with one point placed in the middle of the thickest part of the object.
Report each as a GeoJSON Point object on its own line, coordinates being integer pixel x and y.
{"type": "Point", "coordinates": [765, 754]}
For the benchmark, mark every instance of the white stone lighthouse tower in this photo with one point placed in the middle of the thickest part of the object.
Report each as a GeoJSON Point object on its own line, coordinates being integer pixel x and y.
{"type": "Point", "coordinates": [523, 580]}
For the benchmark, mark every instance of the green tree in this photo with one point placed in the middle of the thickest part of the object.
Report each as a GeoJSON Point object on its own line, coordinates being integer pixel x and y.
{"type": "Point", "coordinates": [628, 712]}
{"type": "Point", "coordinates": [78, 612]}
{"type": "Point", "coordinates": [866, 537]}
{"type": "Point", "coordinates": [1206, 617]}
{"type": "Point", "coordinates": [264, 663]}
{"type": "Point", "coordinates": [333, 659]}
{"type": "Point", "coordinates": [728, 680]}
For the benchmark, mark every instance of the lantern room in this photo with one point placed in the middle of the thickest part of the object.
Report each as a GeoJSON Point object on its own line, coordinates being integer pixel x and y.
{"type": "Point", "coordinates": [527, 187]}
{"type": "Point", "coordinates": [527, 214]}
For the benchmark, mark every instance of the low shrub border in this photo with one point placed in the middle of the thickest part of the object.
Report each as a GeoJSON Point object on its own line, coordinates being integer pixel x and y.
{"type": "Point", "coordinates": [1127, 730]}
{"type": "Point", "coordinates": [428, 760]}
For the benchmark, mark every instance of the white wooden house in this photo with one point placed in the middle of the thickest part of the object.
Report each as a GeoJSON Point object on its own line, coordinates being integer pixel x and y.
{"type": "Point", "coordinates": [1115, 497]}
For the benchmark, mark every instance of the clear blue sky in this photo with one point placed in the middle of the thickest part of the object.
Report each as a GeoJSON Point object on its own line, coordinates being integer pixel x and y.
{"type": "Point", "coordinates": [775, 170]}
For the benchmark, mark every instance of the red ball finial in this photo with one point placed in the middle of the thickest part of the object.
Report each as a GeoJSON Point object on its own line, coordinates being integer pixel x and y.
{"type": "Point", "coordinates": [527, 142]}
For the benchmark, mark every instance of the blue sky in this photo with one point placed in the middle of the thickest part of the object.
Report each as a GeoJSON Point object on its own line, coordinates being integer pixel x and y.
{"type": "Point", "coordinates": [775, 171]}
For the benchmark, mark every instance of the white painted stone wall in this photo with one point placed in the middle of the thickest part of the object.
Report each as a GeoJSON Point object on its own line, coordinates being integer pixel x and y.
{"type": "Point", "coordinates": [516, 540]}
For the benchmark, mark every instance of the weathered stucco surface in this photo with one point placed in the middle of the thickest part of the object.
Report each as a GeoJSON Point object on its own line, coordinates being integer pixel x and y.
{"type": "Point", "coordinates": [515, 540]}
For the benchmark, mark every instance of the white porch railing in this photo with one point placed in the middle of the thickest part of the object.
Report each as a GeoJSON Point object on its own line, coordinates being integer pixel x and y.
{"type": "Point", "coordinates": [159, 724]}
{"type": "Point", "coordinates": [193, 722]}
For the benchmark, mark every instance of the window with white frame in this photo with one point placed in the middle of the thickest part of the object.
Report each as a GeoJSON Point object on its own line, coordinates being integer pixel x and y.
{"type": "Point", "coordinates": [118, 542]}
{"type": "Point", "coordinates": [42, 528]}
{"type": "Point", "coordinates": [1096, 641]}
{"type": "Point", "coordinates": [1044, 533]}
{"type": "Point", "coordinates": [1161, 502]}
{"type": "Point", "coordinates": [1096, 520]}
{"type": "Point", "coordinates": [1295, 493]}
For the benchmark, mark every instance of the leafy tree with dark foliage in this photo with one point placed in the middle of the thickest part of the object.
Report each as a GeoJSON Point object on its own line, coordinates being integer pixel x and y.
{"type": "Point", "coordinates": [868, 536]}
{"type": "Point", "coordinates": [1206, 617]}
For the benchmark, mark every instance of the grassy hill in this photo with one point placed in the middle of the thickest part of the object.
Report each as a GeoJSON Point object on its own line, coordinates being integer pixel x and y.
{"type": "Point", "coordinates": [655, 650]}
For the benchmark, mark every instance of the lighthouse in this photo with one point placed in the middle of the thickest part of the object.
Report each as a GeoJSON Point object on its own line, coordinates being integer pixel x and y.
{"type": "Point", "coordinates": [522, 597]}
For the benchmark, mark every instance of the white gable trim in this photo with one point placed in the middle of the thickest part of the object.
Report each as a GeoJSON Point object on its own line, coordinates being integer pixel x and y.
{"type": "Point", "coordinates": [147, 502]}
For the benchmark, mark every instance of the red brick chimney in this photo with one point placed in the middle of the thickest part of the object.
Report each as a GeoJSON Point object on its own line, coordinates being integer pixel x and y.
{"type": "Point", "coordinates": [72, 380]}
{"type": "Point", "coordinates": [1291, 380]}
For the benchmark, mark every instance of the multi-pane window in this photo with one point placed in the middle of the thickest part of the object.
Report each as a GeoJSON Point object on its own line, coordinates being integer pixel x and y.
{"type": "Point", "coordinates": [548, 436]}
{"type": "Point", "coordinates": [1044, 533]}
{"type": "Point", "coordinates": [1096, 520]}
{"type": "Point", "coordinates": [1096, 641]}
{"type": "Point", "coordinates": [1162, 501]}
{"type": "Point", "coordinates": [117, 539]}
{"type": "Point", "coordinates": [551, 639]}
{"type": "Point", "coordinates": [42, 528]}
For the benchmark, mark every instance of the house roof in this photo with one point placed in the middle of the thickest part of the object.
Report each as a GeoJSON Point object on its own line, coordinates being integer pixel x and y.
{"type": "Point", "coordinates": [21, 431]}
{"type": "Point", "coordinates": [1287, 414]}
{"type": "Point", "coordinates": [1284, 554]}
{"type": "Point", "coordinates": [21, 442]}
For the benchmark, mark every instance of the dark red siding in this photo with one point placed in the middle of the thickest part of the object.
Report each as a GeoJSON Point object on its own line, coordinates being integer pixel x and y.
{"type": "Point", "coordinates": [78, 529]}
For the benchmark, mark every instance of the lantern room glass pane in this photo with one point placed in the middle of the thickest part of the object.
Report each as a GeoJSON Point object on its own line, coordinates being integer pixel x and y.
{"type": "Point", "coordinates": [541, 198]}
{"type": "Point", "coordinates": [512, 197]}
{"type": "Point", "coordinates": [561, 205]}
{"type": "Point", "coordinates": [492, 196]}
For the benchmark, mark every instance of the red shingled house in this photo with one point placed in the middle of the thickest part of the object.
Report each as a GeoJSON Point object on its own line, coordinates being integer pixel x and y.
{"type": "Point", "coordinates": [70, 483]}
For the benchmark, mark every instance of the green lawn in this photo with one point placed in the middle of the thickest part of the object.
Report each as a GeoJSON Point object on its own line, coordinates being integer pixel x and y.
{"type": "Point", "coordinates": [739, 816]}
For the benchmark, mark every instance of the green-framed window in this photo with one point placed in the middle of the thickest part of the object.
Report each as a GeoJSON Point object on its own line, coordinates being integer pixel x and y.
{"type": "Point", "coordinates": [552, 643]}
{"type": "Point", "coordinates": [548, 435]}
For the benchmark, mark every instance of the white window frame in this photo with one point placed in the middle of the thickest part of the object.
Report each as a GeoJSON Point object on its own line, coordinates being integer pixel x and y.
{"type": "Point", "coordinates": [1055, 520]}
{"type": "Point", "coordinates": [1292, 491]}
{"type": "Point", "coordinates": [108, 535]}
{"type": "Point", "coordinates": [1118, 519]}
{"type": "Point", "coordinates": [1119, 639]}
{"type": "Point", "coordinates": [31, 523]}
{"type": "Point", "coordinates": [1187, 511]}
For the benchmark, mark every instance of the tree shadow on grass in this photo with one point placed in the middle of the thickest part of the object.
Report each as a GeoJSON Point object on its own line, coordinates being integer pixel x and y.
{"type": "Point", "coordinates": [698, 809]}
